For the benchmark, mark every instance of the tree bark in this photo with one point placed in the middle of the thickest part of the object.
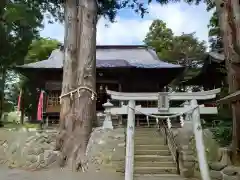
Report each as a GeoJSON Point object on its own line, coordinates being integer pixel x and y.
{"type": "Point", "coordinates": [229, 24]}
{"type": "Point", "coordinates": [2, 88]}
{"type": "Point", "coordinates": [22, 108]}
{"type": "Point", "coordinates": [79, 69]}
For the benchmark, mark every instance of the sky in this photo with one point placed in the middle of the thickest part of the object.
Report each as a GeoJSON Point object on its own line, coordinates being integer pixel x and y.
{"type": "Point", "coordinates": [131, 29]}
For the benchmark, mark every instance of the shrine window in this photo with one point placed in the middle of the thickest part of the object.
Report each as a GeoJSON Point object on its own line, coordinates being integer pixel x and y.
{"type": "Point", "coordinates": [53, 98]}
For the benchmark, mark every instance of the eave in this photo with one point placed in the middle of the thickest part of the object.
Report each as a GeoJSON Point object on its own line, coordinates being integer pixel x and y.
{"type": "Point", "coordinates": [230, 98]}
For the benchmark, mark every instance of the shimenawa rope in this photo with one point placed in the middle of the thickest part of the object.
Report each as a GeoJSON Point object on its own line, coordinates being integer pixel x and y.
{"type": "Point", "coordinates": [94, 94]}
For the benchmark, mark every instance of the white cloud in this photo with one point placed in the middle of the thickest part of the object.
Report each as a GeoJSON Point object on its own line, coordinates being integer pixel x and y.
{"type": "Point", "coordinates": [132, 29]}
{"type": "Point", "coordinates": [124, 31]}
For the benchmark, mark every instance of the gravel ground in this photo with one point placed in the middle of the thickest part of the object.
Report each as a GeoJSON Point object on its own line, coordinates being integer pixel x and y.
{"type": "Point", "coordinates": [55, 174]}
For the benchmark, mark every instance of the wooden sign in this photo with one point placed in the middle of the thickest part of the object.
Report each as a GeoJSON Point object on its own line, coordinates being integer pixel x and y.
{"type": "Point", "coordinates": [163, 101]}
{"type": "Point", "coordinates": [53, 85]}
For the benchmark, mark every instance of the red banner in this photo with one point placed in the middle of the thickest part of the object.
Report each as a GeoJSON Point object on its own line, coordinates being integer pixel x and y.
{"type": "Point", "coordinates": [40, 107]}
{"type": "Point", "coordinates": [19, 101]}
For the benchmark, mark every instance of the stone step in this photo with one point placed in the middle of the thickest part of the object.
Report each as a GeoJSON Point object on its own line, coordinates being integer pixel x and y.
{"type": "Point", "coordinates": [147, 130]}
{"type": "Point", "coordinates": [154, 164]}
{"type": "Point", "coordinates": [158, 177]}
{"type": "Point", "coordinates": [145, 124]}
{"type": "Point", "coordinates": [152, 152]}
{"type": "Point", "coordinates": [147, 133]}
{"type": "Point", "coordinates": [144, 128]}
{"type": "Point", "coordinates": [147, 137]}
{"type": "Point", "coordinates": [155, 170]}
{"type": "Point", "coordinates": [149, 141]}
{"type": "Point", "coordinates": [153, 158]}
{"type": "Point", "coordinates": [151, 147]}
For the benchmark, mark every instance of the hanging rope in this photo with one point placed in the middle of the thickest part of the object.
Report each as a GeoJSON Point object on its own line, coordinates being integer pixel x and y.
{"type": "Point", "coordinates": [181, 121]}
{"type": "Point", "coordinates": [165, 117]}
{"type": "Point", "coordinates": [168, 118]}
{"type": "Point", "coordinates": [77, 90]}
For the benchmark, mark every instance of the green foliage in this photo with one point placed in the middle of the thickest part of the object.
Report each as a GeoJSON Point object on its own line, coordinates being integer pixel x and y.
{"type": "Point", "coordinates": [18, 27]}
{"type": "Point", "coordinates": [223, 133]}
{"type": "Point", "coordinates": [185, 49]}
{"type": "Point", "coordinates": [160, 38]}
{"type": "Point", "coordinates": [40, 49]}
{"type": "Point", "coordinates": [214, 33]}
{"type": "Point", "coordinates": [20, 21]}
{"type": "Point", "coordinates": [211, 146]}
{"type": "Point", "coordinates": [11, 91]}
{"type": "Point", "coordinates": [224, 110]}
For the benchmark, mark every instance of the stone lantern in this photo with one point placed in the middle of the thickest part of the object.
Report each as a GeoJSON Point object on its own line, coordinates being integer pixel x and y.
{"type": "Point", "coordinates": [107, 123]}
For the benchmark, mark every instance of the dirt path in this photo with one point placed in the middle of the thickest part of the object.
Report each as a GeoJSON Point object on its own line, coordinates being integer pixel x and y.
{"type": "Point", "coordinates": [55, 174]}
{"type": "Point", "coordinates": [58, 174]}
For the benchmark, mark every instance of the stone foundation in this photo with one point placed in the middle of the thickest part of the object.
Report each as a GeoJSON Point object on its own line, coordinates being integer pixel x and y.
{"type": "Point", "coordinates": [33, 150]}
{"type": "Point", "coordinates": [188, 160]}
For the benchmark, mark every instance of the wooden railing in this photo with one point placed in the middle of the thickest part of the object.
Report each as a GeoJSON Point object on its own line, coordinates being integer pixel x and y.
{"type": "Point", "coordinates": [170, 140]}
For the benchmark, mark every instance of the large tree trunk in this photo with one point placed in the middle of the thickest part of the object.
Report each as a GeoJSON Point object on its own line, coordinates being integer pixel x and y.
{"type": "Point", "coordinates": [230, 24]}
{"type": "Point", "coordinates": [79, 70]}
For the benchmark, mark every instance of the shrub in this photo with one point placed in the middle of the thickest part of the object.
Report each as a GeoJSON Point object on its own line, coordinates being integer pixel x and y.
{"type": "Point", "coordinates": [223, 133]}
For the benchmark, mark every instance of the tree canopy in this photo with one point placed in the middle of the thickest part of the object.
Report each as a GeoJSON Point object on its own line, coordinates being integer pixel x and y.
{"type": "Point", "coordinates": [20, 22]}
{"type": "Point", "coordinates": [40, 49]}
{"type": "Point", "coordinates": [215, 38]}
{"type": "Point", "coordinates": [185, 49]}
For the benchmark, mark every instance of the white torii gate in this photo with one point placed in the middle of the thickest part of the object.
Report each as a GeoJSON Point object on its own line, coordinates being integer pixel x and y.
{"type": "Point", "coordinates": [163, 99]}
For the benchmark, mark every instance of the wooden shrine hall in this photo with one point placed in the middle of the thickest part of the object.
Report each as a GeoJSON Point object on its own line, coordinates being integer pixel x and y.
{"type": "Point", "coordinates": [119, 68]}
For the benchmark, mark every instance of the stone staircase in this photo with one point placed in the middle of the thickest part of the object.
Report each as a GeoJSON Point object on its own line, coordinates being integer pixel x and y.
{"type": "Point", "coordinates": [152, 156]}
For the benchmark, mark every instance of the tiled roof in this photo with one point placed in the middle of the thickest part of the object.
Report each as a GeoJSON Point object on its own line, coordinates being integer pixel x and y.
{"type": "Point", "coordinates": [219, 57]}
{"type": "Point", "coordinates": [111, 56]}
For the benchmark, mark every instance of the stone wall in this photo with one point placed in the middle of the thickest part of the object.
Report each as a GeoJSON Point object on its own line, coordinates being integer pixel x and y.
{"type": "Point", "coordinates": [220, 167]}
{"type": "Point", "coordinates": [106, 149]}
{"type": "Point", "coordinates": [188, 161]}
{"type": "Point", "coordinates": [220, 171]}
{"type": "Point", "coordinates": [29, 150]}
{"type": "Point", "coordinates": [183, 137]}
{"type": "Point", "coordinates": [34, 150]}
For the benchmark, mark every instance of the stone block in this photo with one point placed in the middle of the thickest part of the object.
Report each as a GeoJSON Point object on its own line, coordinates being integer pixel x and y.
{"type": "Point", "coordinates": [230, 170]}
{"type": "Point", "coordinates": [216, 175]}
{"type": "Point", "coordinates": [217, 166]}
{"type": "Point", "coordinates": [52, 158]}
{"type": "Point", "coordinates": [186, 173]}
{"type": "Point", "coordinates": [38, 150]}
{"type": "Point", "coordinates": [32, 158]}
{"type": "Point", "coordinates": [187, 152]}
{"type": "Point", "coordinates": [33, 166]}
{"type": "Point", "coordinates": [187, 164]}
{"type": "Point", "coordinates": [189, 158]}
{"type": "Point", "coordinates": [41, 158]}
{"type": "Point", "coordinates": [227, 177]}
{"type": "Point", "coordinates": [30, 151]}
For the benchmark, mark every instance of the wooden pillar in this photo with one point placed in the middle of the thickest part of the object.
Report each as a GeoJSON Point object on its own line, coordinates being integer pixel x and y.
{"type": "Point", "coordinates": [233, 87]}
{"type": "Point", "coordinates": [22, 108]}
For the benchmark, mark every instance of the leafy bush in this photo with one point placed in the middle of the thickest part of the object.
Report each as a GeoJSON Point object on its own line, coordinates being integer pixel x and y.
{"type": "Point", "coordinates": [223, 133]}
